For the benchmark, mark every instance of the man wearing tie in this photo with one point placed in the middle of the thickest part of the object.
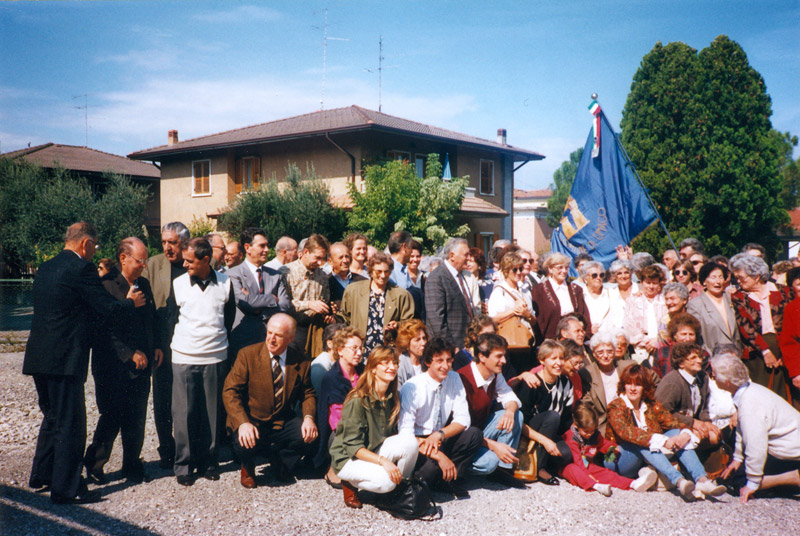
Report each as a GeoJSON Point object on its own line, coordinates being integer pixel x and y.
{"type": "Point", "coordinates": [265, 384]}
{"type": "Point", "coordinates": [448, 304]}
{"type": "Point", "coordinates": [260, 291]}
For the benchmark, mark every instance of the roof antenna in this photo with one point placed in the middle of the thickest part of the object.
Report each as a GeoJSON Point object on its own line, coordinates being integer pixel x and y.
{"type": "Point", "coordinates": [380, 73]}
{"type": "Point", "coordinates": [325, 39]}
{"type": "Point", "coordinates": [85, 109]}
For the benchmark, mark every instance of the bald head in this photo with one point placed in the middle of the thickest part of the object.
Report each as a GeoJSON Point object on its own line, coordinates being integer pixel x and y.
{"type": "Point", "coordinates": [233, 254]}
{"type": "Point", "coordinates": [339, 259]}
{"type": "Point", "coordinates": [280, 332]}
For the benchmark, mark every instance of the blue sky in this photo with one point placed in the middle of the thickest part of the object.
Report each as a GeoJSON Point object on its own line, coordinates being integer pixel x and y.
{"type": "Point", "coordinates": [470, 66]}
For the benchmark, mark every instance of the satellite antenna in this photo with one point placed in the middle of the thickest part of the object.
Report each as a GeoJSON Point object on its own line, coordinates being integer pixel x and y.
{"type": "Point", "coordinates": [85, 109]}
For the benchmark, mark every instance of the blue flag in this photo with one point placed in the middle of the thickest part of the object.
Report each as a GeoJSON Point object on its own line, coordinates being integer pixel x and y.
{"type": "Point", "coordinates": [607, 206]}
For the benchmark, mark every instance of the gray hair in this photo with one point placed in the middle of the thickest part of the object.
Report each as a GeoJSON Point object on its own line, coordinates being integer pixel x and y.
{"type": "Point", "coordinates": [620, 332]}
{"type": "Point", "coordinates": [663, 269]}
{"type": "Point", "coordinates": [284, 243]}
{"type": "Point", "coordinates": [586, 266]}
{"type": "Point", "coordinates": [677, 288]}
{"type": "Point", "coordinates": [178, 228]}
{"type": "Point", "coordinates": [729, 368]}
{"type": "Point", "coordinates": [751, 265]}
{"type": "Point", "coordinates": [427, 262]}
{"type": "Point", "coordinates": [619, 264]}
{"type": "Point", "coordinates": [693, 243]}
{"type": "Point", "coordinates": [451, 245]}
{"type": "Point", "coordinates": [554, 259]}
{"type": "Point", "coordinates": [641, 259]}
{"type": "Point", "coordinates": [602, 337]}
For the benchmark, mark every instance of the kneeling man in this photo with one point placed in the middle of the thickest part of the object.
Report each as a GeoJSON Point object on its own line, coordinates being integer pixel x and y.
{"type": "Point", "coordinates": [494, 408]}
{"type": "Point", "coordinates": [434, 408]}
{"type": "Point", "coordinates": [262, 388]}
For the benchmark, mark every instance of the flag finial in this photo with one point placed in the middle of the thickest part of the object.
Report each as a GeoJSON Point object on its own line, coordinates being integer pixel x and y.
{"type": "Point", "coordinates": [594, 96]}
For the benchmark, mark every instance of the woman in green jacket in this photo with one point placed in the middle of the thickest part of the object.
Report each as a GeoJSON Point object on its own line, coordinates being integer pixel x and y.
{"type": "Point", "coordinates": [367, 453]}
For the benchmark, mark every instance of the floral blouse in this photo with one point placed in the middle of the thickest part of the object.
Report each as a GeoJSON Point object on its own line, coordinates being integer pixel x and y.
{"type": "Point", "coordinates": [377, 304]}
{"type": "Point", "coordinates": [622, 425]}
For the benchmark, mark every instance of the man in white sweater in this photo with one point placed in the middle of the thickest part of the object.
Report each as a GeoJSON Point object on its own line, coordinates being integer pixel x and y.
{"type": "Point", "coordinates": [206, 310]}
{"type": "Point", "coordinates": [767, 434]}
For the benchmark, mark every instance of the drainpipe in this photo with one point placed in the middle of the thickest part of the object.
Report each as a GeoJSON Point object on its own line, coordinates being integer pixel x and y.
{"type": "Point", "coordinates": [352, 158]}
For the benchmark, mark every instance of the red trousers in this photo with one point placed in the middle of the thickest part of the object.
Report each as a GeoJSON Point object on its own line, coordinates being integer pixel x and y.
{"type": "Point", "coordinates": [586, 477]}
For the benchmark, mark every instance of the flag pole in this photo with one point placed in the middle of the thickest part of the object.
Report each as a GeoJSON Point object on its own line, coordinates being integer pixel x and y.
{"type": "Point", "coordinates": [636, 174]}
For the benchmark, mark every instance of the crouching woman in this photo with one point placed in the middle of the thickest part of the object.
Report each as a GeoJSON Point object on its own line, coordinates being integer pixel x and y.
{"type": "Point", "coordinates": [366, 453]}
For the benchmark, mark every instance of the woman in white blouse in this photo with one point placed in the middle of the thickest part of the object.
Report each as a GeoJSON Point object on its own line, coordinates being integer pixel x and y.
{"type": "Point", "coordinates": [598, 298]}
{"type": "Point", "coordinates": [507, 300]}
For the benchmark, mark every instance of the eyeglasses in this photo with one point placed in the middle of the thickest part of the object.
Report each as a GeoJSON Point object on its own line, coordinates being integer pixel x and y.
{"type": "Point", "coordinates": [596, 275]}
{"type": "Point", "coordinates": [527, 261]}
{"type": "Point", "coordinates": [516, 270]}
{"type": "Point", "coordinates": [354, 349]}
{"type": "Point", "coordinates": [681, 272]}
{"type": "Point", "coordinates": [140, 262]}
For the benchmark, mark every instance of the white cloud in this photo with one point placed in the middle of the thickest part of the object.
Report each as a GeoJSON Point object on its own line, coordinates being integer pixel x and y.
{"type": "Point", "coordinates": [239, 14]}
{"type": "Point", "coordinates": [151, 59]}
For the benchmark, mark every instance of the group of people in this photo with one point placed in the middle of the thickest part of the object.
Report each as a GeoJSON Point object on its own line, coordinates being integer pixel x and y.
{"type": "Point", "coordinates": [356, 364]}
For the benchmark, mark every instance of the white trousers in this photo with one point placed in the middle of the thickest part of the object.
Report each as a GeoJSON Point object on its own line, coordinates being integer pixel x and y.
{"type": "Point", "coordinates": [399, 449]}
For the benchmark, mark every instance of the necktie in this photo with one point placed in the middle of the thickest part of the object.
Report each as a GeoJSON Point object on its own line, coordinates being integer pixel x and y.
{"type": "Point", "coordinates": [466, 294]}
{"type": "Point", "coordinates": [695, 389]}
{"type": "Point", "coordinates": [277, 383]}
{"type": "Point", "coordinates": [437, 408]}
{"type": "Point", "coordinates": [260, 280]}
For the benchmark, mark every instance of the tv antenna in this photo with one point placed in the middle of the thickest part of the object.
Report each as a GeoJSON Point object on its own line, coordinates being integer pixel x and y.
{"type": "Point", "coordinates": [380, 72]}
{"type": "Point", "coordinates": [85, 109]}
{"type": "Point", "coordinates": [325, 39]}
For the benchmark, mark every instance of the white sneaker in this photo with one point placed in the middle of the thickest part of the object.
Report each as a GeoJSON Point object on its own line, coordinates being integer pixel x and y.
{"type": "Point", "coordinates": [647, 477]}
{"type": "Point", "coordinates": [686, 487]}
{"type": "Point", "coordinates": [604, 489]}
{"type": "Point", "coordinates": [709, 487]}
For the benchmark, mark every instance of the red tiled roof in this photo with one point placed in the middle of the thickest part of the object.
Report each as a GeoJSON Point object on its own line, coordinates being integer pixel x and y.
{"type": "Point", "coordinates": [84, 159]}
{"type": "Point", "coordinates": [794, 214]}
{"type": "Point", "coordinates": [473, 205]}
{"type": "Point", "coordinates": [337, 120]}
{"type": "Point", "coordinates": [527, 194]}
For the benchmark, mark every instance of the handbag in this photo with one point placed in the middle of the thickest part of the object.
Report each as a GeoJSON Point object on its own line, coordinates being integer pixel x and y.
{"type": "Point", "coordinates": [515, 331]}
{"type": "Point", "coordinates": [410, 499]}
{"type": "Point", "coordinates": [526, 469]}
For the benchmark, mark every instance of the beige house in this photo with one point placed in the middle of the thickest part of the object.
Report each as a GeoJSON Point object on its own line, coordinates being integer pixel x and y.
{"type": "Point", "coordinates": [531, 230]}
{"type": "Point", "coordinates": [200, 177]}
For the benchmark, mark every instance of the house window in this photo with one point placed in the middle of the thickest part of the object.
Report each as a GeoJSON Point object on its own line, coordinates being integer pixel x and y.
{"type": "Point", "coordinates": [420, 166]}
{"type": "Point", "coordinates": [399, 155]}
{"type": "Point", "coordinates": [487, 239]}
{"type": "Point", "coordinates": [487, 177]}
{"type": "Point", "coordinates": [248, 171]}
{"type": "Point", "coordinates": [200, 176]}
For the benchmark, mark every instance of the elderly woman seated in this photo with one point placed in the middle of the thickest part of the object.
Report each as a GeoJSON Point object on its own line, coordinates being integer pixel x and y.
{"type": "Point", "coordinates": [683, 327]}
{"type": "Point", "coordinates": [639, 424]}
{"type": "Point", "coordinates": [684, 392]}
{"type": "Point", "coordinates": [767, 450]}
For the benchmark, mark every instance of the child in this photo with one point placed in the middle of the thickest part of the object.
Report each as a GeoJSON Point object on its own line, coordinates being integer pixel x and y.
{"type": "Point", "coordinates": [588, 446]}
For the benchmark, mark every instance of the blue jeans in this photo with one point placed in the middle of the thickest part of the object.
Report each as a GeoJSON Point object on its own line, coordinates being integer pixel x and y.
{"type": "Point", "coordinates": [628, 463]}
{"type": "Point", "coordinates": [687, 458]}
{"type": "Point", "coordinates": [486, 461]}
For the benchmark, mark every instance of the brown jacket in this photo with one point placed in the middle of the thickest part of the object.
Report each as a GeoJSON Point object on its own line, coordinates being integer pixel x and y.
{"type": "Point", "coordinates": [248, 391]}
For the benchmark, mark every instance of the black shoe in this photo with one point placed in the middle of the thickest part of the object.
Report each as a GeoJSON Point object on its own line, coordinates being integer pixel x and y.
{"type": "Point", "coordinates": [37, 483]}
{"type": "Point", "coordinates": [281, 473]}
{"type": "Point", "coordinates": [86, 497]}
{"type": "Point", "coordinates": [135, 475]}
{"type": "Point", "coordinates": [185, 480]}
{"type": "Point", "coordinates": [503, 477]}
{"type": "Point", "coordinates": [211, 473]}
{"type": "Point", "coordinates": [458, 489]}
{"type": "Point", "coordinates": [96, 476]}
{"type": "Point", "coordinates": [166, 463]}
{"type": "Point", "coordinates": [552, 481]}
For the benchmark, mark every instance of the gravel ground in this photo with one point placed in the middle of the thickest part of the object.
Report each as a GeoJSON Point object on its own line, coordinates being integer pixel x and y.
{"type": "Point", "coordinates": [161, 506]}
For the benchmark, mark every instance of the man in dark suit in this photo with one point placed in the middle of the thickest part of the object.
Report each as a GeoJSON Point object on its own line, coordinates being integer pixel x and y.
{"type": "Point", "coordinates": [448, 305]}
{"type": "Point", "coordinates": [161, 271]}
{"type": "Point", "coordinates": [67, 299]}
{"type": "Point", "coordinates": [260, 292]}
{"type": "Point", "coordinates": [123, 355]}
{"type": "Point", "coordinates": [260, 393]}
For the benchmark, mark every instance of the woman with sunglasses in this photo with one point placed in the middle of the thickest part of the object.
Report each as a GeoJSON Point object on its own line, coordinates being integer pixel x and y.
{"type": "Point", "coordinates": [685, 273]}
{"type": "Point", "coordinates": [338, 381]}
{"type": "Point", "coordinates": [604, 310]}
{"type": "Point", "coordinates": [507, 301]}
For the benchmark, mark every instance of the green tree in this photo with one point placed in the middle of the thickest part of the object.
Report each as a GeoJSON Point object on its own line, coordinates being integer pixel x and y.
{"type": "Point", "coordinates": [394, 198]}
{"type": "Point", "coordinates": [37, 205]}
{"type": "Point", "coordinates": [697, 127]}
{"type": "Point", "coordinates": [563, 178]}
{"type": "Point", "coordinates": [790, 172]}
{"type": "Point", "coordinates": [297, 207]}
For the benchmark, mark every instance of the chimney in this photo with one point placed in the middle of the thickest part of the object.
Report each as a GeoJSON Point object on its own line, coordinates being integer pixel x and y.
{"type": "Point", "coordinates": [172, 137]}
{"type": "Point", "coordinates": [501, 136]}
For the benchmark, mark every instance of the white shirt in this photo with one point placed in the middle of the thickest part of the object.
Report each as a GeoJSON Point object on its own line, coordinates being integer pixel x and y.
{"type": "Point", "coordinates": [600, 309]}
{"type": "Point", "coordinates": [610, 383]}
{"type": "Point", "coordinates": [503, 393]}
{"type": "Point", "coordinates": [253, 268]}
{"type": "Point", "coordinates": [275, 264]}
{"type": "Point", "coordinates": [417, 411]}
{"type": "Point", "coordinates": [562, 293]}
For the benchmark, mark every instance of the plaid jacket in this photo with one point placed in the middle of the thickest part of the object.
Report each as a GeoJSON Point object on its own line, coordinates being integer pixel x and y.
{"type": "Point", "coordinates": [748, 316]}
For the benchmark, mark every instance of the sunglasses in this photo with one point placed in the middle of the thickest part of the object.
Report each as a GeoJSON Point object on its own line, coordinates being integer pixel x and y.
{"type": "Point", "coordinates": [527, 261]}
{"type": "Point", "coordinates": [600, 275]}
{"type": "Point", "coordinates": [681, 272]}
{"type": "Point", "coordinates": [516, 270]}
